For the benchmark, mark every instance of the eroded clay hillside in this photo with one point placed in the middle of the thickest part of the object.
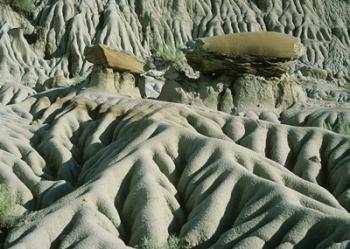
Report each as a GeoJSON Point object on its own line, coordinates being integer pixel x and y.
{"type": "Point", "coordinates": [55, 33]}
{"type": "Point", "coordinates": [107, 172]}
{"type": "Point", "coordinates": [215, 146]}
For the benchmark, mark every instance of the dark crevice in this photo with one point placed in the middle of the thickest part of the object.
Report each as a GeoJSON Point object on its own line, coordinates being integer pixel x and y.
{"type": "Point", "coordinates": [31, 38]}
{"type": "Point", "coordinates": [173, 177]}
{"type": "Point", "coordinates": [121, 199]}
{"type": "Point", "coordinates": [322, 177]}
{"type": "Point", "coordinates": [144, 20]}
{"type": "Point", "coordinates": [99, 26]}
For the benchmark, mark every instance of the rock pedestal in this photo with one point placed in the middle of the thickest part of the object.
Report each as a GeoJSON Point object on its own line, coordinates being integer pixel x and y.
{"type": "Point", "coordinates": [113, 70]}
{"type": "Point", "coordinates": [252, 92]}
{"type": "Point", "coordinates": [105, 79]}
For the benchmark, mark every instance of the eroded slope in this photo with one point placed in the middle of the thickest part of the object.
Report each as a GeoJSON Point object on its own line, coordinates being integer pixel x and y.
{"type": "Point", "coordinates": [99, 171]}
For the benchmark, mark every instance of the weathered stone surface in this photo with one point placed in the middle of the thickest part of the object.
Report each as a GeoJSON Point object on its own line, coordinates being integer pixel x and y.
{"type": "Point", "coordinates": [255, 44]}
{"type": "Point", "coordinates": [316, 73]}
{"type": "Point", "coordinates": [150, 85]}
{"type": "Point", "coordinates": [257, 92]}
{"type": "Point", "coordinates": [112, 58]}
{"type": "Point", "coordinates": [246, 92]}
{"type": "Point", "coordinates": [206, 91]}
{"type": "Point", "coordinates": [59, 81]}
{"type": "Point", "coordinates": [259, 53]}
{"type": "Point", "coordinates": [13, 92]}
{"type": "Point", "coordinates": [108, 81]}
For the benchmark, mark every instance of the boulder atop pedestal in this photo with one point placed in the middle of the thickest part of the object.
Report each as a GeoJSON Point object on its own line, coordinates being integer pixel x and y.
{"type": "Point", "coordinates": [115, 59]}
{"type": "Point", "coordinates": [268, 54]}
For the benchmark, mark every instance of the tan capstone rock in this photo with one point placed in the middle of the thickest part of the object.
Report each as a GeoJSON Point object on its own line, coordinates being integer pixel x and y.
{"type": "Point", "coordinates": [115, 59]}
{"type": "Point", "coordinates": [260, 53]}
{"type": "Point", "coordinates": [257, 44]}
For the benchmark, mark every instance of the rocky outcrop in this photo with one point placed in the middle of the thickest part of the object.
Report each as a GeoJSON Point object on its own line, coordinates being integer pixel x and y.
{"type": "Point", "coordinates": [206, 91]}
{"type": "Point", "coordinates": [266, 54]}
{"type": "Point", "coordinates": [112, 82]}
{"type": "Point", "coordinates": [251, 92]}
{"type": "Point", "coordinates": [115, 59]}
{"type": "Point", "coordinates": [235, 94]}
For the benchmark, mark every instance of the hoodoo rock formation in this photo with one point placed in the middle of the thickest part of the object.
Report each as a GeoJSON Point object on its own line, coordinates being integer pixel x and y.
{"type": "Point", "coordinates": [113, 70]}
{"type": "Point", "coordinates": [245, 71]}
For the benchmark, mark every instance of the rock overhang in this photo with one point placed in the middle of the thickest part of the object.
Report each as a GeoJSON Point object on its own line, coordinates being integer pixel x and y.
{"type": "Point", "coordinates": [112, 58]}
{"type": "Point", "coordinates": [260, 53]}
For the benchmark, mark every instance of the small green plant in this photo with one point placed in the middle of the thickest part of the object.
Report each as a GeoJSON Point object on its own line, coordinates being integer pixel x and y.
{"type": "Point", "coordinates": [26, 5]}
{"type": "Point", "coordinates": [21, 5]}
{"type": "Point", "coordinates": [7, 204]}
{"type": "Point", "coordinates": [341, 126]}
{"type": "Point", "coordinates": [172, 243]}
{"type": "Point", "coordinates": [329, 97]}
{"type": "Point", "coordinates": [170, 54]}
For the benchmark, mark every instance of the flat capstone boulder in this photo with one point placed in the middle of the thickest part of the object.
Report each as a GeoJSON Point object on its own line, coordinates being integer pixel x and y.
{"type": "Point", "coordinates": [118, 60]}
{"type": "Point", "coordinates": [268, 54]}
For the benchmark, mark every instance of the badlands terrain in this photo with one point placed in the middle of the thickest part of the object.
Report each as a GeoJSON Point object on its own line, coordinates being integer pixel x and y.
{"type": "Point", "coordinates": [174, 124]}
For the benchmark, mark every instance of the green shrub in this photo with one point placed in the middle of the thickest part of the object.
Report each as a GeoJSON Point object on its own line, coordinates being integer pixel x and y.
{"type": "Point", "coordinates": [21, 5]}
{"type": "Point", "coordinates": [169, 54]}
{"type": "Point", "coordinates": [26, 5]}
{"type": "Point", "coordinates": [172, 243]}
{"type": "Point", "coordinates": [7, 205]}
{"type": "Point", "coordinates": [329, 97]}
{"type": "Point", "coordinates": [341, 126]}
{"type": "Point", "coordinates": [147, 244]}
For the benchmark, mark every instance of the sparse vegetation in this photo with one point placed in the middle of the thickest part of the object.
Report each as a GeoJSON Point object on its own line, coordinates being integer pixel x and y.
{"type": "Point", "coordinates": [26, 5]}
{"type": "Point", "coordinates": [21, 5]}
{"type": "Point", "coordinates": [173, 242]}
{"type": "Point", "coordinates": [7, 204]}
{"type": "Point", "coordinates": [341, 126]}
{"type": "Point", "coordinates": [170, 54]}
{"type": "Point", "coordinates": [329, 97]}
